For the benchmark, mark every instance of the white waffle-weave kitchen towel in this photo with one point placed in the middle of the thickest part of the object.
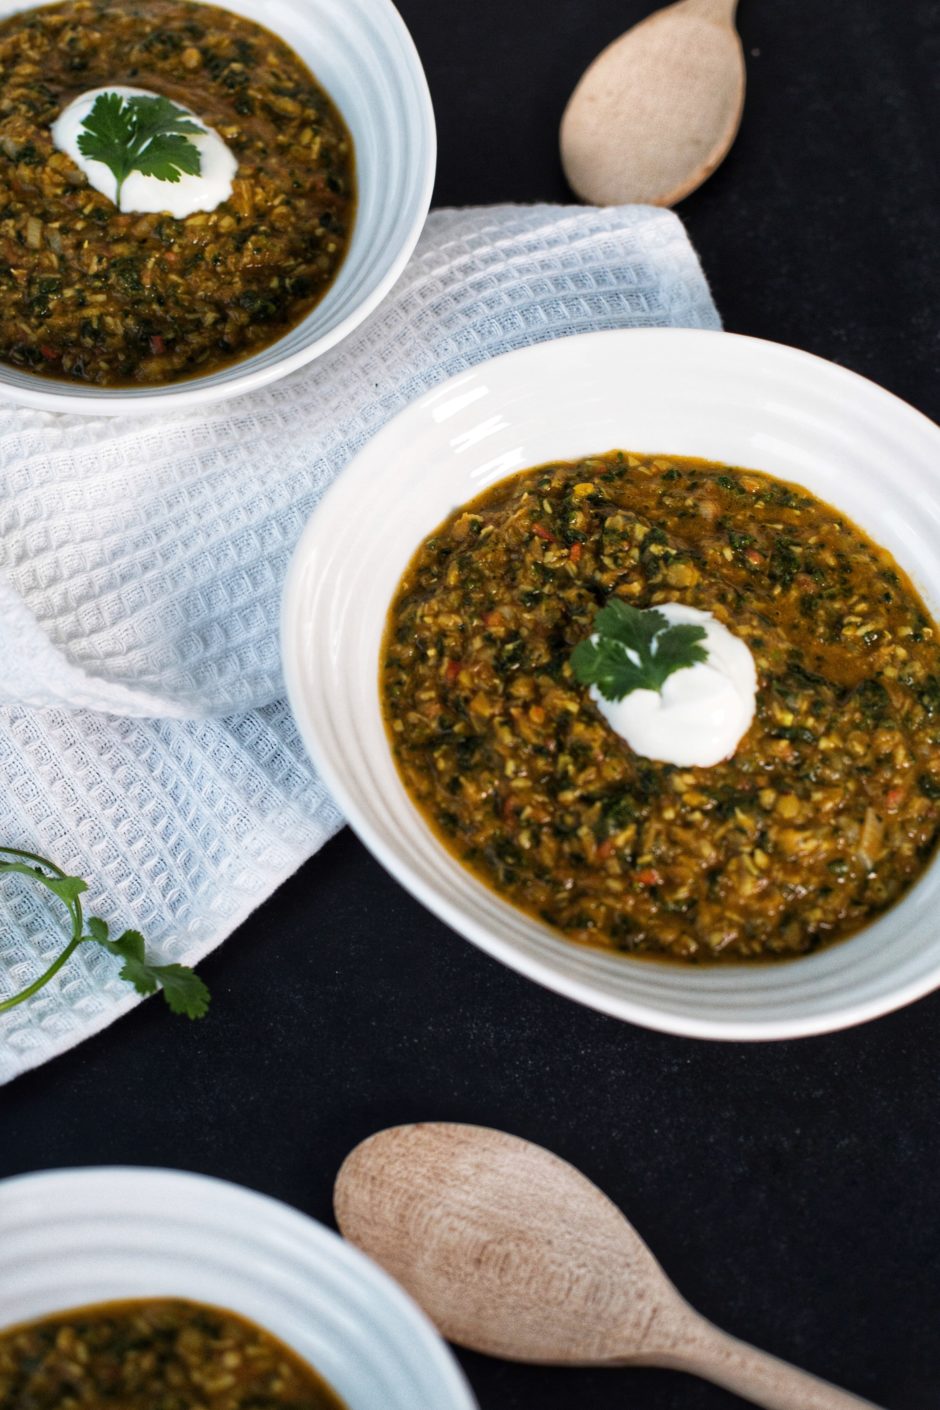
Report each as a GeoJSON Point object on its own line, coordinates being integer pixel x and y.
{"type": "Point", "coordinates": [143, 741]}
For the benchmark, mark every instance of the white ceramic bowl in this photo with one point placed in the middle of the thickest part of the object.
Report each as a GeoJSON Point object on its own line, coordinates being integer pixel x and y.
{"type": "Point", "coordinates": [363, 55]}
{"type": "Point", "coordinates": [73, 1237]}
{"type": "Point", "coordinates": [678, 392]}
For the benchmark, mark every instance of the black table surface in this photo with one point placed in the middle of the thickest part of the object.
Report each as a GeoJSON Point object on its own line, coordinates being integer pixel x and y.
{"type": "Point", "coordinates": [790, 1189]}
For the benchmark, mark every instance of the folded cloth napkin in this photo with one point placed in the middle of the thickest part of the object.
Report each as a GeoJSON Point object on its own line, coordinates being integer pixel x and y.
{"type": "Point", "coordinates": [143, 741]}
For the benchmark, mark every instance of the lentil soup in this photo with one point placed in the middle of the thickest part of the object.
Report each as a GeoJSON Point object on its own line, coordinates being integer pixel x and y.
{"type": "Point", "coordinates": [826, 813]}
{"type": "Point", "coordinates": [160, 1354]}
{"type": "Point", "coordinates": [93, 295]}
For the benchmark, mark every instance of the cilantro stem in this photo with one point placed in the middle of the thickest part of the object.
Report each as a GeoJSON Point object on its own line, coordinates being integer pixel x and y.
{"type": "Point", "coordinates": [34, 857]}
{"type": "Point", "coordinates": [74, 909]}
{"type": "Point", "coordinates": [44, 978]}
{"type": "Point", "coordinates": [183, 990]}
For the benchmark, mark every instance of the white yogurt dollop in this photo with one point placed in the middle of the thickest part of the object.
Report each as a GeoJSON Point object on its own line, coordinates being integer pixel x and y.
{"type": "Point", "coordinates": [145, 193]}
{"type": "Point", "coordinates": [703, 711]}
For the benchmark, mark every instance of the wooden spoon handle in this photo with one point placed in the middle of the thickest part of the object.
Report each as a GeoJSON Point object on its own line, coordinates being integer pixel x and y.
{"type": "Point", "coordinates": [755, 1375]}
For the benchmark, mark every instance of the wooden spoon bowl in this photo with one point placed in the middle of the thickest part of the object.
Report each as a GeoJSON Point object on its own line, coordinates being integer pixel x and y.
{"type": "Point", "coordinates": [657, 110]}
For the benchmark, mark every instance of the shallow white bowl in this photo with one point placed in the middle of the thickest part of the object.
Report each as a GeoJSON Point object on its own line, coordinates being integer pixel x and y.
{"type": "Point", "coordinates": [364, 57]}
{"type": "Point", "coordinates": [73, 1237]}
{"type": "Point", "coordinates": [672, 391]}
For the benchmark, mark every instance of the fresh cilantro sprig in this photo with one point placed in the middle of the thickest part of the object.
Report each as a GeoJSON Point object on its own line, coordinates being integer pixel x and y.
{"type": "Point", "coordinates": [634, 649]}
{"type": "Point", "coordinates": [140, 134]}
{"type": "Point", "coordinates": [183, 990]}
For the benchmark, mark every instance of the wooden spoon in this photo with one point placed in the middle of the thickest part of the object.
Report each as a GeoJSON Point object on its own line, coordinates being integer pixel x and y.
{"type": "Point", "coordinates": [513, 1252]}
{"type": "Point", "coordinates": [656, 112]}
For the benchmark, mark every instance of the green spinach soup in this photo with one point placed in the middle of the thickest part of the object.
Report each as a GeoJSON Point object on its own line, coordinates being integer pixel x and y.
{"type": "Point", "coordinates": [158, 1354]}
{"type": "Point", "coordinates": [825, 813]}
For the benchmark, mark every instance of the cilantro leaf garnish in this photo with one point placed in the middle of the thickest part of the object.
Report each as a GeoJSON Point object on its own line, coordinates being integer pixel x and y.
{"type": "Point", "coordinates": [634, 649]}
{"type": "Point", "coordinates": [140, 134]}
{"type": "Point", "coordinates": [183, 990]}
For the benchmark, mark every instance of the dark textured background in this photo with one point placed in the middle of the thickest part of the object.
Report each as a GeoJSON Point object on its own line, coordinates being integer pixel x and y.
{"type": "Point", "coordinates": [792, 1189]}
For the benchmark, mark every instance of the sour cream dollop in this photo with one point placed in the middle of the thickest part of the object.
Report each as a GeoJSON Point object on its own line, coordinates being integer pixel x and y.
{"type": "Point", "coordinates": [146, 193]}
{"type": "Point", "coordinates": [703, 711]}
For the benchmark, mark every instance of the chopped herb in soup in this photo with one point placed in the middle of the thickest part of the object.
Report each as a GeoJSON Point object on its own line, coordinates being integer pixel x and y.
{"type": "Point", "coordinates": [826, 812]}
{"type": "Point", "coordinates": [96, 295]}
{"type": "Point", "coordinates": [161, 1354]}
